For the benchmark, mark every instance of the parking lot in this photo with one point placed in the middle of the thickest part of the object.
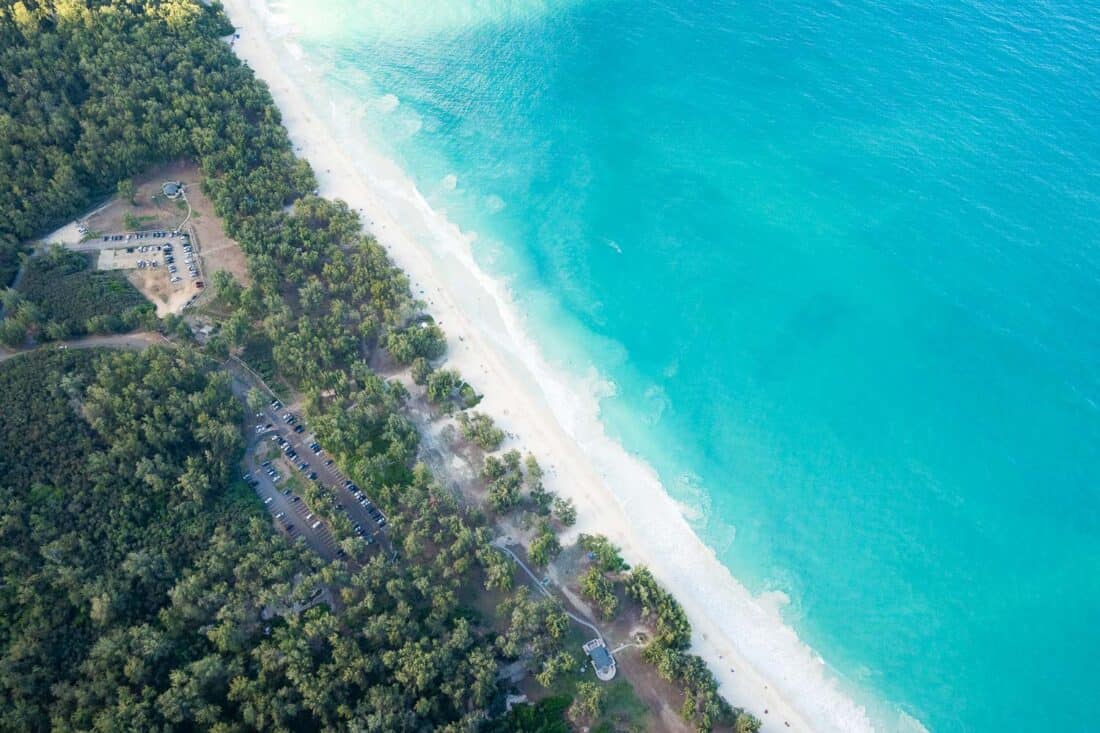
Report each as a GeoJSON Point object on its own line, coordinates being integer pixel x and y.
{"type": "Point", "coordinates": [163, 264]}
{"type": "Point", "coordinates": [294, 451]}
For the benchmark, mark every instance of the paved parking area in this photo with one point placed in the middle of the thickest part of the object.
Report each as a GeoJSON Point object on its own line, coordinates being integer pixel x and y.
{"type": "Point", "coordinates": [131, 258]}
{"type": "Point", "coordinates": [290, 513]}
{"type": "Point", "coordinates": [164, 265]}
{"type": "Point", "coordinates": [271, 433]}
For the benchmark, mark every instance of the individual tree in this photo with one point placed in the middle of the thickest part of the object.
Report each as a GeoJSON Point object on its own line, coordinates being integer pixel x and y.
{"type": "Point", "coordinates": [126, 191]}
{"type": "Point", "coordinates": [599, 590]}
{"type": "Point", "coordinates": [545, 546]}
{"type": "Point", "coordinates": [480, 430]}
{"type": "Point", "coordinates": [257, 399]}
{"type": "Point", "coordinates": [588, 700]}
{"type": "Point", "coordinates": [420, 370]}
{"type": "Point", "coordinates": [565, 511]}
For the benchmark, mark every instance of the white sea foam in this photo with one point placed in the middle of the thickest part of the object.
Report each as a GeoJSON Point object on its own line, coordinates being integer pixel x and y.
{"type": "Point", "coordinates": [386, 103]}
{"type": "Point", "coordinates": [734, 630]}
{"type": "Point", "coordinates": [409, 20]}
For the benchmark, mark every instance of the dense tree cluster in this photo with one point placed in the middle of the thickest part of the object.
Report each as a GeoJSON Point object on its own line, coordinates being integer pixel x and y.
{"type": "Point", "coordinates": [61, 297]}
{"type": "Point", "coordinates": [110, 469]}
{"type": "Point", "coordinates": [11, 252]}
{"type": "Point", "coordinates": [667, 652]}
{"type": "Point", "coordinates": [139, 594]}
{"type": "Point", "coordinates": [150, 594]}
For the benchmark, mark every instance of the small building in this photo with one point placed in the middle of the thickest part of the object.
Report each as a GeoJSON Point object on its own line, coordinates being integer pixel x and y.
{"type": "Point", "coordinates": [601, 659]}
{"type": "Point", "coordinates": [172, 189]}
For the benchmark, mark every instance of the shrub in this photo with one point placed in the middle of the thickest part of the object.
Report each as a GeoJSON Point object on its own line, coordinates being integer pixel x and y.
{"type": "Point", "coordinates": [480, 430]}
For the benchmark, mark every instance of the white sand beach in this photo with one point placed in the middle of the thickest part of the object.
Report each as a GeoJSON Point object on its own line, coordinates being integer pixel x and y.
{"type": "Point", "coordinates": [760, 662]}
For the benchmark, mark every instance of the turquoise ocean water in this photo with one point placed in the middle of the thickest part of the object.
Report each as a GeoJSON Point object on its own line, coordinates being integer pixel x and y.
{"type": "Point", "coordinates": [841, 261]}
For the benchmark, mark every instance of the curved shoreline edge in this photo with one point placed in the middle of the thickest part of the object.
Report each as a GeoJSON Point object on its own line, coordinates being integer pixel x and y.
{"type": "Point", "coordinates": [759, 661]}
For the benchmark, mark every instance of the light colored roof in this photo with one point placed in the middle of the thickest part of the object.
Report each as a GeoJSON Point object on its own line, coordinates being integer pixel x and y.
{"type": "Point", "coordinates": [602, 661]}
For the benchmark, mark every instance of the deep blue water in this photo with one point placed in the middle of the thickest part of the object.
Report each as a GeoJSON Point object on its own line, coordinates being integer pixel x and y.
{"type": "Point", "coordinates": [842, 262]}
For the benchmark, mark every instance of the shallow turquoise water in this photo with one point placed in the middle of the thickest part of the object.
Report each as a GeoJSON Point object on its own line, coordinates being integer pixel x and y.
{"type": "Point", "coordinates": [842, 263]}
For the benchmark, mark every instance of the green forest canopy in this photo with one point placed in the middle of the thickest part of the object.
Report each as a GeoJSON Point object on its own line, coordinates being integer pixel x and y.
{"type": "Point", "coordinates": [174, 634]}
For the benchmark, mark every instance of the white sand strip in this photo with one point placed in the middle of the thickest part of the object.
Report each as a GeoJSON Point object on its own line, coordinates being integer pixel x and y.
{"type": "Point", "coordinates": [616, 494]}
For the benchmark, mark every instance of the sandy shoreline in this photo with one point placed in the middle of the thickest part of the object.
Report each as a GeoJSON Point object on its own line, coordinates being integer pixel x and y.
{"type": "Point", "coordinates": [615, 493]}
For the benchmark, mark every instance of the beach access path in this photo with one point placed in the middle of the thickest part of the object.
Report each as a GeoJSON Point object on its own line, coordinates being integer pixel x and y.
{"type": "Point", "coordinates": [501, 544]}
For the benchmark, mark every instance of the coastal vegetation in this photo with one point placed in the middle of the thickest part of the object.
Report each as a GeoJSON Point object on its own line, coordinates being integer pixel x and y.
{"type": "Point", "coordinates": [61, 297]}
{"type": "Point", "coordinates": [144, 589]}
{"type": "Point", "coordinates": [480, 430]}
{"type": "Point", "coordinates": [144, 586]}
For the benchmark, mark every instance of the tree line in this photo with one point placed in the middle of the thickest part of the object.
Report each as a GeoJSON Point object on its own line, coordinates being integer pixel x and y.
{"type": "Point", "coordinates": [92, 92]}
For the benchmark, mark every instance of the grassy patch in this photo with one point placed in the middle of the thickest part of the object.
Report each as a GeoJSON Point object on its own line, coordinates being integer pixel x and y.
{"type": "Point", "coordinates": [133, 222]}
{"type": "Point", "coordinates": [622, 710]}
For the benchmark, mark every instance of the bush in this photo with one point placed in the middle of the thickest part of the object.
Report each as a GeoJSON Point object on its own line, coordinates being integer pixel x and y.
{"type": "Point", "coordinates": [420, 371]}
{"type": "Point", "coordinates": [442, 385]}
{"type": "Point", "coordinates": [605, 554]}
{"type": "Point", "coordinates": [545, 547]}
{"type": "Point", "coordinates": [601, 591]}
{"type": "Point", "coordinates": [480, 430]}
{"type": "Point", "coordinates": [424, 340]}
{"type": "Point", "coordinates": [565, 511]}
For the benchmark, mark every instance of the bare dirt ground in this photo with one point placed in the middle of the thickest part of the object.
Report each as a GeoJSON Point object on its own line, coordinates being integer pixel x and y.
{"type": "Point", "coordinates": [155, 211]}
{"type": "Point", "coordinates": [151, 210]}
{"type": "Point", "coordinates": [154, 285]}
